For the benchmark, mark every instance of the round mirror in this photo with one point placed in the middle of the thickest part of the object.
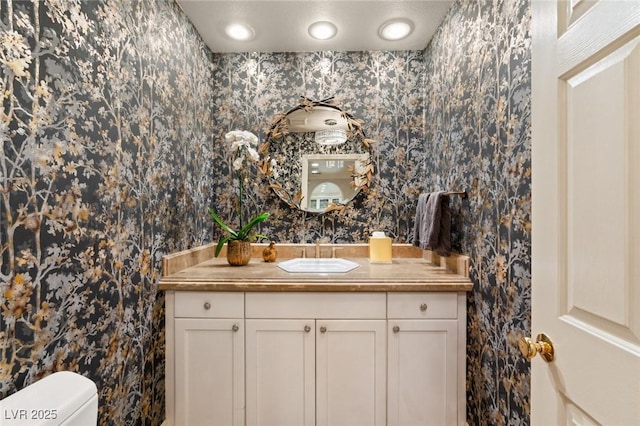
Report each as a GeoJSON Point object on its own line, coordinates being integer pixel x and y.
{"type": "Point", "coordinates": [317, 157]}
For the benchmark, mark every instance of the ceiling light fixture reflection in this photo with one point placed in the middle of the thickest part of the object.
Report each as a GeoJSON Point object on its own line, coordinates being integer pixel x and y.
{"type": "Point", "coordinates": [239, 32]}
{"type": "Point", "coordinates": [323, 30]}
{"type": "Point", "coordinates": [331, 136]}
{"type": "Point", "coordinates": [396, 29]}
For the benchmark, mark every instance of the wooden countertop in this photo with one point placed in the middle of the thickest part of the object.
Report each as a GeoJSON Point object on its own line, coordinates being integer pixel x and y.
{"type": "Point", "coordinates": [411, 270]}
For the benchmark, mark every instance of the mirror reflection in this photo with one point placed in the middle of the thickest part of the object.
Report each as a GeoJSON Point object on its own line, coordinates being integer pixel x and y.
{"type": "Point", "coordinates": [317, 157]}
{"type": "Point", "coordinates": [329, 179]}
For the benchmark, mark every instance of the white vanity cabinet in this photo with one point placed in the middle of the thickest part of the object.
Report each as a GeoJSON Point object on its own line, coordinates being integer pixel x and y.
{"type": "Point", "coordinates": [351, 372]}
{"type": "Point", "coordinates": [316, 359]}
{"type": "Point", "coordinates": [208, 358]}
{"type": "Point", "coordinates": [384, 344]}
{"type": "Point", "coordinates": [281, 372]}
{"type": "Point", "coordinates": [426, 365]}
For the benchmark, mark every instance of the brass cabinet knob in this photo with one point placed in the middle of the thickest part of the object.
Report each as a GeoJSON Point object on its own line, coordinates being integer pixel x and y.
{"type": "Point", "coordinates": [323, 329]}
{"type": "Point", "coordinates": [307, 329]}
{"type": "Point", "coordinates": [543, 345]}
{"type": "Point", "coordinates": [207, 305]}
{"type": "Point", "coordinates": [235, 327]}
{"type": "Point", "coordinates": [423, 307]}
{"type": "Point", "coordinates": [396, 329]}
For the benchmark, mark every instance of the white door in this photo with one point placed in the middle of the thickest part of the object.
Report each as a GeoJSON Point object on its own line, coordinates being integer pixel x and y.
{"type": "Point", "coordinates": [280, 372]}
{"type": "Point", "coordinates": [586, 211]}
{"type": "Point", "coordinates": [422, 373]}
{"type": "Point", "coordinates": [209, 378]}
{"type": "Point", "coordinates": [351, 372]}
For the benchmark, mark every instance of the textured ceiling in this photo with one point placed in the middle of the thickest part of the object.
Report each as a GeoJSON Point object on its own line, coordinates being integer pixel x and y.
{"type": "Point", "coordinates": [281, 26]}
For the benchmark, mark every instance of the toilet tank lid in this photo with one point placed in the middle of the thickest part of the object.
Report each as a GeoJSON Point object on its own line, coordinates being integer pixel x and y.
{"type": "Point", "coordinates": [63, 391]}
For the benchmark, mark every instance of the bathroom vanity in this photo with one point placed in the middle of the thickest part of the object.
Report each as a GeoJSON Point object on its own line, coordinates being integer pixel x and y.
{"type": "Point", "coordinates": [382, 344]}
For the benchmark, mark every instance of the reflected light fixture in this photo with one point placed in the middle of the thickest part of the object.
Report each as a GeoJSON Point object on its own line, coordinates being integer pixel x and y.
{"type": "Point", "coordinates": [239, 32]}
{"type": "Point", "coordinates": [331, 136]}
{"type": "Point", "coordinates": [396, 29]}
{"type": "Point", "coordinates": [322, 30]}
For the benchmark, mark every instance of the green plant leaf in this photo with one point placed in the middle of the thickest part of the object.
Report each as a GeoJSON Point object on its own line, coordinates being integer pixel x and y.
{"type": "Point", "coordinates": [244, 232]}
{"type": "Point", "coordinates": [221, 244]}
{"type": "Point", "coordinates": [223, 225]}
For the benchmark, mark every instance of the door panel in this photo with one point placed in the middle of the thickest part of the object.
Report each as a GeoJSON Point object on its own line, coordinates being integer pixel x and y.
{"type": "Point", "coordinates": [586, 198]}
{"type": "Point", "coordinates": [280, 372]}
{"type": "Point", "coordinates": [351, 372]}
{"type": "Point", "coordinates": [209, 362]}
{"type": "Point", "coordinates": [598, 229]}
{"type": "Point", "coordinates": [422, 379]}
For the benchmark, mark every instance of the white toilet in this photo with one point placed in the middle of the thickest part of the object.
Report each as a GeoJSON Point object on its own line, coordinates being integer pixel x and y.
{"type": "Point", "coordinates": [60, 399]}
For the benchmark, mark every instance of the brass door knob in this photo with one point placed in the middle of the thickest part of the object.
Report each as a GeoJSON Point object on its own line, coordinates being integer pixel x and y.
{"type": "Point", "coordinates": [543, 345]}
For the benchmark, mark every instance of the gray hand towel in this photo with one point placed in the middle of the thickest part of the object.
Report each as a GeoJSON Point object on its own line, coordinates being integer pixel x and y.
{"type": "Point", "coordinates": [419, 231]}
{"type": "Point", "coordinates": [432, 227]}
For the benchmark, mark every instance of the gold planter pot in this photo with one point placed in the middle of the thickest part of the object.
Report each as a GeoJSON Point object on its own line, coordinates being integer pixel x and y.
{"type": "Point", "coordinates": [238, 252]}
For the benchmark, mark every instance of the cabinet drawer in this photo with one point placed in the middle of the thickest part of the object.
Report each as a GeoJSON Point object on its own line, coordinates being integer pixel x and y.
{"type": "Point", "coordinates": [422, 305]}
{"type": "Point", "coordinates": [317, 305]}
{"type": "Point", "coordinates": [197, 304]}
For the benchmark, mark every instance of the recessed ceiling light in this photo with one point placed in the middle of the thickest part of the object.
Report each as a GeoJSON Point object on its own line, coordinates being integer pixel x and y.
{"type": "Point", "coordinates": [240, 32]}
{"type": "Point", "coordinates": [322, 30]}
{"type": "Point", "coordinates": [396, 29]}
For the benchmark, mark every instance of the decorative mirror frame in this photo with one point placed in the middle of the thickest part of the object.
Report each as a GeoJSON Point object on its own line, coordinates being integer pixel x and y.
{"type": "Point", "coordinates": [280, 128]}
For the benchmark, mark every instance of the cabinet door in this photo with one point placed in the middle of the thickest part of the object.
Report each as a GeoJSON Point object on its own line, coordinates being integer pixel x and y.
{"type": "Point", "coordinates": [351, 372]}
{"type": "Point", "coordinates": [422, 373]}
{"type": "Point", "coordinates": [280, 372]}
{"type": "Point", "coordinates": [209, 372]}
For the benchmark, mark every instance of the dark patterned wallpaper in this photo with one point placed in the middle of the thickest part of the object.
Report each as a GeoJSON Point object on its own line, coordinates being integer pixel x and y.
{"type": "Point", "coordinates": [112, 133]}
{"type": "Point", "coordinates": [385, 89]}
{"type": "Point", "coordinates": [105, 146]}
{"type": "Point", "coordinates": [471, 87]}
{"type": "Point", "coordinates": [478, 137]}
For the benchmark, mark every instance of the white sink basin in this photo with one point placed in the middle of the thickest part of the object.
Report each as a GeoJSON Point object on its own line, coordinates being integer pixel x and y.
{"type": "Point", "coordinates": [301, 265]}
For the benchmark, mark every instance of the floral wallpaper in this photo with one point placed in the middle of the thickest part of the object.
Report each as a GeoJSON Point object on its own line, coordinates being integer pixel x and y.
{"type": "Point", "coordinates": [454, 117]}
{"type": "Point", "coordinates": [478, 137]}
{"type": "Point", "coordinates": [112, 133]}
{"type": "Point", "coordinates": [383, 89]}
{"type": "Point", "coordinates": [105, 139]}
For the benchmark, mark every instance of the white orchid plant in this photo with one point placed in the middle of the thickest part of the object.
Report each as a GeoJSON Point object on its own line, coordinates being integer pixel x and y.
{"type": "Point", "coordinates": [242, 145]}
